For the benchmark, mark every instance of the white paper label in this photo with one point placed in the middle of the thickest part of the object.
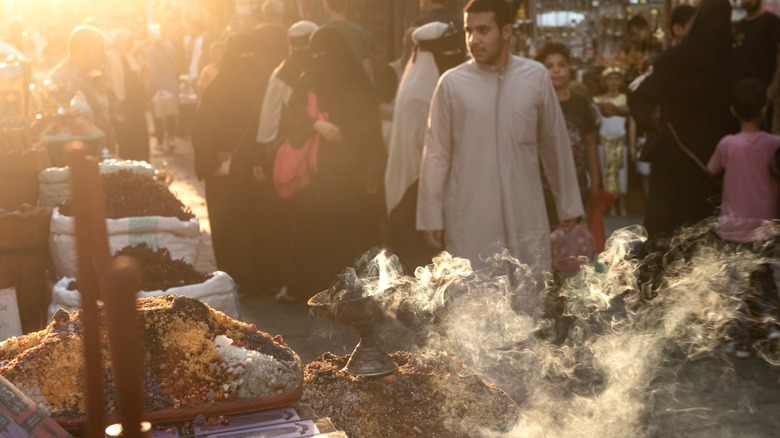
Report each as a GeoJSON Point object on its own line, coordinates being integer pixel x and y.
{"type": "Point", "coordinates": [10, 324]}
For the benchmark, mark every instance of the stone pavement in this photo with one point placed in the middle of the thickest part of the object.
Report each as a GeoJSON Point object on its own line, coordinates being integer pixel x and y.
{"type": "Point", "coordinates": [717, 397]}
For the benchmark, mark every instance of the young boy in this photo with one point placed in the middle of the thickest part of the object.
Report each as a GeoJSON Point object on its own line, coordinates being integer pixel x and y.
{"type": "Point", "coordinates": [749, 202]}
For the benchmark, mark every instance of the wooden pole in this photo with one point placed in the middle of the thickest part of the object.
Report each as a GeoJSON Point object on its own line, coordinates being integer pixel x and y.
{"type": "Point", "coordinates": [125, 342]}
{"type": "Point", "coordinates": [116, 284]}
{"type": "Point", "coordinates": [88, 286]}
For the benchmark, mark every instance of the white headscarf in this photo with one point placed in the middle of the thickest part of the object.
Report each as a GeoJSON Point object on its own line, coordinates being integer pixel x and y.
{"type": "Point", "coordinates": [410, 116]}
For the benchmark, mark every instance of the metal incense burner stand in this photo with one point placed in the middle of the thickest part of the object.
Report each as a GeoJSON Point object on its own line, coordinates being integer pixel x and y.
{"type": "Point", "coordinates": [362, 314]}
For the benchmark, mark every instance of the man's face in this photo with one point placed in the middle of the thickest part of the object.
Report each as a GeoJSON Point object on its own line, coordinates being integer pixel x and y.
{"type": "Point", "coordinates": [558, 67]}
{"type": "Point", "coordinates": [485, 40]}
{"type": "Point", "coordinates": [751, 6]}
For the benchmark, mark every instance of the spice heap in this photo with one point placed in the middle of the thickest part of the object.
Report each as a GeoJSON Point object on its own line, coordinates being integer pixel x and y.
{"type": "Point", "coordinates": [194, 355]}
{"type": "Point", "coordinates": [131, 194]}
{"type": "Point", "coordinates": [158, 270]}
{"type": "Point", "coordinates": [435, 396]}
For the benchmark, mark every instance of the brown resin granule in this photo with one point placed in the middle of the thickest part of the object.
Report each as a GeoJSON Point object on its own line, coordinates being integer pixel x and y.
{"type": "Point", "coordinates": [429, 396]}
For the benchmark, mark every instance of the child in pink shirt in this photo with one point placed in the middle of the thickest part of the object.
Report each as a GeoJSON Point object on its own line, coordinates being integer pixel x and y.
{"type": "Point", "coordinates": [750, 196]}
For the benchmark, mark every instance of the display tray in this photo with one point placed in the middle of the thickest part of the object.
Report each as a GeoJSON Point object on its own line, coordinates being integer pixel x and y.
{"type": "Point", "coordinates": [77, 425]}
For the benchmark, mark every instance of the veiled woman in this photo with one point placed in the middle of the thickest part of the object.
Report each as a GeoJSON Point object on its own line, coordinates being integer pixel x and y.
{"type": "Point", "coordinates": [692, 83]}
{"type": "Point", "coordinates": [223, 140]}
{"type": "Point", "coordinates": [337, 218]}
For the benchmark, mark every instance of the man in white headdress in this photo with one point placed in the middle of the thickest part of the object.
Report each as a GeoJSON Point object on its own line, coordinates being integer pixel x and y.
{"type": "Point", "coordinates": [492, 121]}
{"type": "Point", "coordinates": [436, 50]}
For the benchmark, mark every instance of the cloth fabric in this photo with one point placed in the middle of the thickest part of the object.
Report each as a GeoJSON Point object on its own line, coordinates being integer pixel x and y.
{"type": "Point", "coordinates": [613, 156]}
{"type": "Point", "coordinates": [337, 219]}
{"type": "Point", "coordinates": [444, 15]}
{"type": "Point", "coordinates": [132, 132]}
{"type": "Point", "coordinates": [760, 302]}
{"type": "Point", "coordinates": [281, 83]}
{"type": "Point", "coordinates": [480, 180]}
{"type": "Point", "coordinates": [612, 147]}
{"type": "Point", "coordinates": [749, 190]}
{"type": "Point", "coordinates": [407, 138]}
{"type": "Point", "coordinates": [758, 39]}
{"type": "Point", "coordinates": [692, 83]}
{"type": "Point", "coordinates": [116, 64]}
{"type": "Point", "coordinates": [163, 70]}
{"type": "Point", "coordinates": [66, 76]}
{"type": "Point", "coordinates": [225, 124]}
{"type": "Point", "coordinates": [195, 59]}
{"type": "Point", "coordinates": [356, 36]}
{"type": "Point", "coordinates": [410, 117]}
{"type": "Point", "coordinates": [580, 122]}
{"type": "Point", "coordinates": [596, 210]}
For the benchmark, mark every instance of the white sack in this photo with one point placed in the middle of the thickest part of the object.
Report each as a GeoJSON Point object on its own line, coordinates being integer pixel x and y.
{"type": "Point", "coordinates": [54, 182]}
{"type": "Point", "coordinates": [219, 292]}
{"type": "Point", "coordinates": [179, 237]}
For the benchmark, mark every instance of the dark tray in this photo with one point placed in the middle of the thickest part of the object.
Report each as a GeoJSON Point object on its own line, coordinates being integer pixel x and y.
{"type": "Point", "coordinates": [77, 425]}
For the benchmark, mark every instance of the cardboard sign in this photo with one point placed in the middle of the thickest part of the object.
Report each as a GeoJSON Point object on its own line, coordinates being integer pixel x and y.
{"type": "Point", "coordinates": [10, 324]}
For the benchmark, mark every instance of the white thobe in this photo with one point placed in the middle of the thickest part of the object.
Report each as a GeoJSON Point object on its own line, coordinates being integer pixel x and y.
{"type": "Point", "coordinates": [480, 177]}
{"type": "Point", "coordinates": [277, 95]}
{"type": "Point", "coordinates": [410, 120]}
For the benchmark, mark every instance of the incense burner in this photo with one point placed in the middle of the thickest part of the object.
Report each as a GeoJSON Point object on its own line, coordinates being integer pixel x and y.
{"type": "Point", "coordinates": [362, 314]}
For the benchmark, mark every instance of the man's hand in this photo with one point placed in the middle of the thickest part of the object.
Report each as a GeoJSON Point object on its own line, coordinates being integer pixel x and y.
{"type": "Point", "coordinates": [568, 224]}
{"type": "Point", "coordinates": [434, 238]}
{"type": "Point", "coordinates": [328, 130]}
{"type": "Point", "coordinates": [771, 92]}
{"type": "Point", "coordinates": [259, 174]}
{"type": "Point", "coordinates": [223, 156]}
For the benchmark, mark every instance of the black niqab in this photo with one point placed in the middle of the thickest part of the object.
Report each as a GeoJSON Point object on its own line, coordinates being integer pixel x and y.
{"type": "Point", "coordinates": [334, 68]}
{"type": "Point", "coordinates": [708, 40]}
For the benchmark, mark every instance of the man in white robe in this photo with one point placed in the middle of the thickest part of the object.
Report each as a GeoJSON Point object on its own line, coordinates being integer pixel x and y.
{"type": "Point", "coordinates": [436, 50]}
{"type": "Point", "coordinates": [492, 120]}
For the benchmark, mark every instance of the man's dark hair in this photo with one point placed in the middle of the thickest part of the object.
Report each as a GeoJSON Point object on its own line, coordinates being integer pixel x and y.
{"type": "Point", "coordinates": [682, 15]}
{"type": "Point", "coordinates": [749, 99]}
{"type": "Point", "coordinates": [339, 6]}
{"type": "Point", "coordinates": [500, 9]}
{"type": "Point", "coordinates": [553, 47]}
{"type": "Point", "coordinates": [637, 21]}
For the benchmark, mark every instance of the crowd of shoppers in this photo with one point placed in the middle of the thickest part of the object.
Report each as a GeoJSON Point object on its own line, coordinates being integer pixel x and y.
{"type": "Point", "coordinates": [481, 147]}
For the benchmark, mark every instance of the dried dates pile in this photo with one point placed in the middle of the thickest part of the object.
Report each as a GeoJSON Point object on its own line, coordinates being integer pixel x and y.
{"type": "Point", "coordinates": [131, 194]}
{"type": "Point", "coordinates": [158, 270]}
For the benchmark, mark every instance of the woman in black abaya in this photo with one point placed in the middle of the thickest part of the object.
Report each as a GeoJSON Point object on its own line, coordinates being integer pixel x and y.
{"type": "Point", "coordinates": [337, 217]}
{"type": "Point", "coordinates": [223, 141]}
{"type": "Point", "coordinates": [692, 83]}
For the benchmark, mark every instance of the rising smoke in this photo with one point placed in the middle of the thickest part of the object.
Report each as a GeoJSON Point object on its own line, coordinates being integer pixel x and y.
{"type": "Point", "coordinates": [617, 368]}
